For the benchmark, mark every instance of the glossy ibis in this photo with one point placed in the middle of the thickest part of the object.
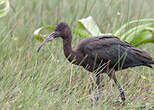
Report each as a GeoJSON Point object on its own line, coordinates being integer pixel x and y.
{"type": "Point", "coordinates": [101, 54]}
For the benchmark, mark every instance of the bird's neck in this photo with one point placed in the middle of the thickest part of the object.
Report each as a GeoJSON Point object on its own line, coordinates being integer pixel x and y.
{"type": "Point", "coordinates": [67, 46]}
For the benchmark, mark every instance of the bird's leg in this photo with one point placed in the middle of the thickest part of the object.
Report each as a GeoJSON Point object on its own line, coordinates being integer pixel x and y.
{"type": "Point", "coordinates": [108, 72]}
{"type": "Point", "coordinates": [113, 76]}
{"type": "Point", "coordinates": [99, 86]}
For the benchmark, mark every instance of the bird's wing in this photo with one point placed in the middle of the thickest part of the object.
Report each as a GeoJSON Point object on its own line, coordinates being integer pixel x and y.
{"type": "Point", "coordinates": [112, 48]}
{"type": "Point", "coordinates": [104, 48]}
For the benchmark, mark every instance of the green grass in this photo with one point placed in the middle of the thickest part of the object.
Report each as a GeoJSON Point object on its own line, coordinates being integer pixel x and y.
{"type": "Point", "coordinates": [46, 80]}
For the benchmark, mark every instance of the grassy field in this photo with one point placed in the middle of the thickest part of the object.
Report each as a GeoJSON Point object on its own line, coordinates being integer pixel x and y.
{"type": "Point", "coordinates": [46, 80]}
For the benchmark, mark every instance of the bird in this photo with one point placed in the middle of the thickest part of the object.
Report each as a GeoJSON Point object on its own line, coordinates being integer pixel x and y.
{"type": "Point", "coordinates": [100, 54]}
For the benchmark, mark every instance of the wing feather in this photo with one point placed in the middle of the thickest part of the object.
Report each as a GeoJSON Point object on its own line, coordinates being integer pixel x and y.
{"type": "Point", "coordinates": [112, 48]}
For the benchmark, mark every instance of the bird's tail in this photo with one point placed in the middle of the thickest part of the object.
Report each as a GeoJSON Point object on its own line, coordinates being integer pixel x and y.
{"type": "Point", "coordinates": [152, 62]}
{"type": "Point", "coordinates": [149, 64]}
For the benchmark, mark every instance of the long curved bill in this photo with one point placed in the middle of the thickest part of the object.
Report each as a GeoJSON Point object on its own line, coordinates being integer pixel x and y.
{"type": "Point", "coordinates": [49, 38]}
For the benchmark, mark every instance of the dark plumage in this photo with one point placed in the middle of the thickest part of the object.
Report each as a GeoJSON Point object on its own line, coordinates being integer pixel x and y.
{"type": "Point", "coordinates": [101, 54]}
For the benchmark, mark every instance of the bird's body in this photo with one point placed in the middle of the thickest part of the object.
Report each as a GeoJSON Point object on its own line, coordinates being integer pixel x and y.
{"type": "Point", "coordinates": [95, 52]}
{"type": "Point", "coordinates": [101, 54]}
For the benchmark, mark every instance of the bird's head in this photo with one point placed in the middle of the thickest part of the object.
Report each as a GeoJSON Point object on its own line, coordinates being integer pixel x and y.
{"type": "Point", "coordinates": [62, 30]}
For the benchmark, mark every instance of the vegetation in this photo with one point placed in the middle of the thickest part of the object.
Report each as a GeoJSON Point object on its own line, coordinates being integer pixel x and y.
{"type": "Point", "coordinates": [46, 80]}
{"type": "Point", "coordinates": [138, 35]}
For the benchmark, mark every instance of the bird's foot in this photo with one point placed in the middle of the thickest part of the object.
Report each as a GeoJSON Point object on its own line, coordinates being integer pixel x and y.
{"type": "Point", "coordinates": [96, 98]}
{"type": "Point", "coordinates": [123, 97]}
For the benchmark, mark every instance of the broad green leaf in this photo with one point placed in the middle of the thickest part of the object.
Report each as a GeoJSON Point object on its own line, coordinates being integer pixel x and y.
{"type": "Point", "coordinates": [141, 35]}
{"type": "Point", "coordinates": [142, 38]}
{"type": "Point", "coordinates": [90, 25]}
{"type": "Point", "coordinates": [136, 36]}
{"type": "Point", "coordinates": [38, 32]}
{"type": "Point", "coordinates": [119, 31]}
{"type": "Point", "coordinates": [5, 9]}
{"type": "Point", "coordinates": [81, 32]}
{"type": "Point", "coordinates": [151, 29]}
{"type": "Point", "coordinates": [128, 36]}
